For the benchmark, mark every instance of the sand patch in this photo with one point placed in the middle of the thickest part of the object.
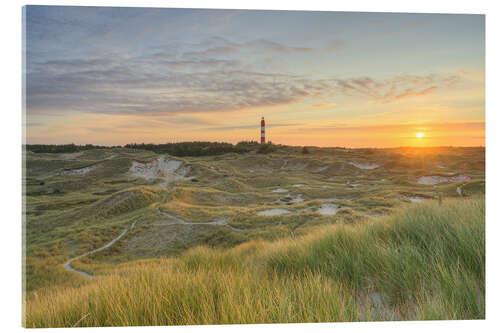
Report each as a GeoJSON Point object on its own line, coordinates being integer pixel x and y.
{"type": "Point", "coordinates": [328, 209]}
{"type": "Point", "coordinates": [273, 212]}
{"type": "Point", "coordinates": [280, 190]}
{"type": "Point", "coordinates": [297, 199]}
{"type": "Point", "coordinates": [365, 166]}
{"type": "Point", "coordinates": [167, 169]}
{"type": "Point", "coordinates": [80, 171]}
{"type": "Point", "coordinates": [289, 200]}
{"type": "Point", "coordinates": [416, 199]}
{"type": "Point", "coordinates": [433, 180]}
{"type": "Point", "coordinates": [298, 185]}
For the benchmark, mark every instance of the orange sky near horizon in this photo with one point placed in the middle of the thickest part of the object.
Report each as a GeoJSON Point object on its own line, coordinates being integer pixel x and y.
{"type": "Point", "coordinates": [127, 129]}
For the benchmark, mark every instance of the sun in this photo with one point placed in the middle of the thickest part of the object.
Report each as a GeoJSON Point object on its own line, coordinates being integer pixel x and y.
{"type": "Point", "coordinates": [420, 135]}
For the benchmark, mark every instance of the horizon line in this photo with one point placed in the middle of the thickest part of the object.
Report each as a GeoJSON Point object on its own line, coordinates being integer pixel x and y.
{"type": "Point", "coordinates": [98, 146]}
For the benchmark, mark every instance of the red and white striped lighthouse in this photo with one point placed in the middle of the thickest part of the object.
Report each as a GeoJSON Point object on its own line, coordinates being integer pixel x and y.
{"type": "Point", "coordinates": [262, 131]}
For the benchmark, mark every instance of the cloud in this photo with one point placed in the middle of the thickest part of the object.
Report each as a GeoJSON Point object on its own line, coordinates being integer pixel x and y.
{"type": "Point", "coordinates": [224, 47]}
{"type": "Point", "coordinates": [411, 92]}
{"type": "Point", "coordinates": [156, 87]}
{"type": "Point", "coordinates": [265, 44]}
{"type": "Point", "coordinates": [396, 88]}
{"type": "Point", "coordinates": [323, 105]}
{"type": "Point", "coordinates": [201, 77]}
{"type": "Point", "coordinates": [171, 87]}
{"type": "Point", "coordinates": [221, 47]}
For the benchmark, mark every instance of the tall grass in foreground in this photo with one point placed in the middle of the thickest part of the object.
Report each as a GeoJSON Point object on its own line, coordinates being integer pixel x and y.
{"type": "Point", "coordinates": [425, 262]}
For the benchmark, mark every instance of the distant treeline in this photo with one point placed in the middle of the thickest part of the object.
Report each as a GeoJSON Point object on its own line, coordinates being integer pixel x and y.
{"type": "Point", "coordinates": [68, 148]}
{"type": "Point", "coordinates": [194, 148]}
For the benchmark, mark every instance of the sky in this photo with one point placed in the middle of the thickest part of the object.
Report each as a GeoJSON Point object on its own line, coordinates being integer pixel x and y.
{"type": "Point", "coordinates": [112, 76]}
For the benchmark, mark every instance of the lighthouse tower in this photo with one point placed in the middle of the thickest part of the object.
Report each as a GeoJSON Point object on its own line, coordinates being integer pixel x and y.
{"type": "Point", "coordinates": [262, 131]}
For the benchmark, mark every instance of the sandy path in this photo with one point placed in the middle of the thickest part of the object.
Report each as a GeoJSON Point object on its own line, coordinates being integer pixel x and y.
{"type": "Point", "coordinates": [68, 267]}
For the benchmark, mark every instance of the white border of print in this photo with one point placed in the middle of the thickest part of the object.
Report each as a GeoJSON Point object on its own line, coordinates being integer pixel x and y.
{"type": "Point", "coordinates": [10, 130]}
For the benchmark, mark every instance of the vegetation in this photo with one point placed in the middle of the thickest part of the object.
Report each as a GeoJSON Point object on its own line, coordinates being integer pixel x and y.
{"type": "Point", "coordinates": [424, 262]}
{"type": "Point", "coordinates": [266, 148]}
{"type": "Point", "coordinates": [203, 224]}
{"type": "Point", "coordinates": [196, 148]}
{"type": "Point", "coordinates": [181, 149]}
{"type": "Point", "coordinates": [68, 148]}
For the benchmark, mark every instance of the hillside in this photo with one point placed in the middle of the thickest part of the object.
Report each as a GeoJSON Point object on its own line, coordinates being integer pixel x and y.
{"type": "Point", "coordinates": [97, 215]}
{"type": "Point", "coordinates": [422, 262]}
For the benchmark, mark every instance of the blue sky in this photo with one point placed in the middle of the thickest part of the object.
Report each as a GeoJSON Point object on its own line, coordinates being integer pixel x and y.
{"type": "Point", "coordinates": [117, 75]}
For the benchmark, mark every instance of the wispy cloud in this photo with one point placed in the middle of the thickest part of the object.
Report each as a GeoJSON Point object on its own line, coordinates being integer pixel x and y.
{"type": "Point", "coordinates": [220, 47]}
{"type": "Point", "coordinates": [396, 88]}
{"type": "Point", "coordinates": [323, 105]}
{"type": "Point", "coordinates": [148, 85]}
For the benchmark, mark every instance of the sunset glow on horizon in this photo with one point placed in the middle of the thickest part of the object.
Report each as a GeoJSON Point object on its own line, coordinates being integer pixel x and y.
{"type": "Point", "coordinates": [112, 76]}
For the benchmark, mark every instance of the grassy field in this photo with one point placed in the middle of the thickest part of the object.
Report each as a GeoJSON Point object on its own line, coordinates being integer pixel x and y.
{"type": "Point", "coordinates": [423, 262]}
{"type": "Point", "coordinates": [359, 235]}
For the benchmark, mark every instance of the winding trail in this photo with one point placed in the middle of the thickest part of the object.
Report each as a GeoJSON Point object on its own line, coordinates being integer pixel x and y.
{"type": "Point", "coordinates": [68, 267]}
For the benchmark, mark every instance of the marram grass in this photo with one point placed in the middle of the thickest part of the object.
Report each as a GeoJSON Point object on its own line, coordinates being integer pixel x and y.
{"type": "Point", "coordinates": [424, 262]}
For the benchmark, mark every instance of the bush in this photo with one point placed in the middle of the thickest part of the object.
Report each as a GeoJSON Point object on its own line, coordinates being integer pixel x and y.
{"type": "Point", "coordinates": [266, 148]}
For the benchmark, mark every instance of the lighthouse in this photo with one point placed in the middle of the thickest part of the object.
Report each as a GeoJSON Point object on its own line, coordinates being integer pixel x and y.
{"type": "Point", "coordinates": [262, 131]}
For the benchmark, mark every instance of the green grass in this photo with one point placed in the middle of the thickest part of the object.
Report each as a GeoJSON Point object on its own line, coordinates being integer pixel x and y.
{"type": "Point", "coordinates": [67, 215]}
{"type": "Point", "coordinates": [423, 262]}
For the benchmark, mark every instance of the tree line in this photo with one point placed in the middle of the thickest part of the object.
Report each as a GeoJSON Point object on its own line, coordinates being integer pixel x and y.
{"type": "Point", "coordinates": [67, 148]}
{"type": "Point", "coordinates": [193, 148]}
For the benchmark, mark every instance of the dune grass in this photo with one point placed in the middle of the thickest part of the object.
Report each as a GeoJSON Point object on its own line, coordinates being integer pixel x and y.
{"type": "Point", "coordinates": [68, 214]}
{"type": "Point", "coordinates": [423, 262]}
